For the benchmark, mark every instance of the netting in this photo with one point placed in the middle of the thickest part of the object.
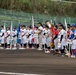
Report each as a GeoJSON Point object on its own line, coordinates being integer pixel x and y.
{"type": "Point", "coordinates": [8, 16]}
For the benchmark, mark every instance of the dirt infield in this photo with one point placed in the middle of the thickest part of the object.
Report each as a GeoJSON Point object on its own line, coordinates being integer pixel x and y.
{"type": "Point", "coordinates": [36, 62]}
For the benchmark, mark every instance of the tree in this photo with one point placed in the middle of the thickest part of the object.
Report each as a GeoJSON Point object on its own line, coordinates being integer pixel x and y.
{"type": "Point", "coordinates": [41, 6]}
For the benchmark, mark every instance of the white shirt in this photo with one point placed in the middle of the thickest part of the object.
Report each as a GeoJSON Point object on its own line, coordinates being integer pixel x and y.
{"type": "Point", "coordinates": [2, 31]}
{"type": "Point", "coordinates": [30, 31]}
{"type": "Point", "coordinates": [62, 32]}
{"type": "Point", "coordinates": [41, 29]}
{"type": "Point", "coordinates": [14, 32]}
{"type": "Point", "coordinates": [44, 31]}
{"type": "Point", "coordinates": [8, 33]}
{"type": "Point", "coordinates": [48, 32]}
{"type": "Point", "coordinates": [23, 32]}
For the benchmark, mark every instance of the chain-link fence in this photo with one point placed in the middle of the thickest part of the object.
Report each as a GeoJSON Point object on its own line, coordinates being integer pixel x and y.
{"type": "Point", "coordinates": [8, 16]}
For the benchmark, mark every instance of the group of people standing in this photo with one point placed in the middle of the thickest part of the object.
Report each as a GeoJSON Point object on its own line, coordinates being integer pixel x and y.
{"type": "Point", "coordinates": [45, 37]}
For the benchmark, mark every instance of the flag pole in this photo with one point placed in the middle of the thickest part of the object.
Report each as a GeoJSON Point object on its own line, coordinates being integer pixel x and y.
{"type": "Point", "coordinates": [51, 21]}
{"type": "Point", "coordinates": [65, 24]}
{"type": "Point", "coordinates": [18, 36]}
{"type": "Point", "coordinates": [4, 34]}
{"type": "Point", "coordinates": [66, 37]}
{"type": "Point", "coordinates": [33, 23]}
{"type": "Point", "coordinates": [54, 21]}
{"type": "Point", "coordinates": [33, 29]}
{"type": "Point", "coordinates": [11, 38]}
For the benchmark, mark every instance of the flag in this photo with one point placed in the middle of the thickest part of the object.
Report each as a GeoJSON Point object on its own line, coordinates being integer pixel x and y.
{"type": "Point", "coordinates": [54, 22]}
{"type": "Point", "coordinates": [18, 35]}
{"type": "Point", "coordinates": [18, 29]}
{"type": "Point", "coordinates": [66, 24]}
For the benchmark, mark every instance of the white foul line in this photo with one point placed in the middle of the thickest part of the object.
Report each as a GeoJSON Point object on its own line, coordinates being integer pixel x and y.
{"type": "Point", "coordinates": [12, 73]}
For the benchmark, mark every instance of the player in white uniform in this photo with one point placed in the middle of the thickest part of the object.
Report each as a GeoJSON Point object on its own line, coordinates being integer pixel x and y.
{"type": "Point", "coordinates": [8, 37]}
{"type": "Point", "coordinates": [48, 39]}
{"type": "Point", "coordinates": [2, 36]}
{"type": "Point", "coordinates": [14, 35]}
{"type": "Point", "coordinates": [36, 43]}
{"type": "Point", "coordinates": [30, 36]}
{"type": "Point", "coordinates": [62, 39]}
{"type": "Point", "coordinates": [23, 37]}
{"type": "Point", "coordinates": [40, 29]}
{"type": "Point", "coordinates": [44, 38]}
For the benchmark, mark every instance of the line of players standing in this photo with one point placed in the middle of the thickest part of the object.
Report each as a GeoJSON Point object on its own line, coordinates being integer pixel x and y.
{"type": "Point", "coordinates": [40, 37]}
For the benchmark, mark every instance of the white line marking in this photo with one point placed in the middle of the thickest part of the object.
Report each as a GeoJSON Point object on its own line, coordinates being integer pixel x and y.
{"type": "Point", "coordinates": [12, 73]}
